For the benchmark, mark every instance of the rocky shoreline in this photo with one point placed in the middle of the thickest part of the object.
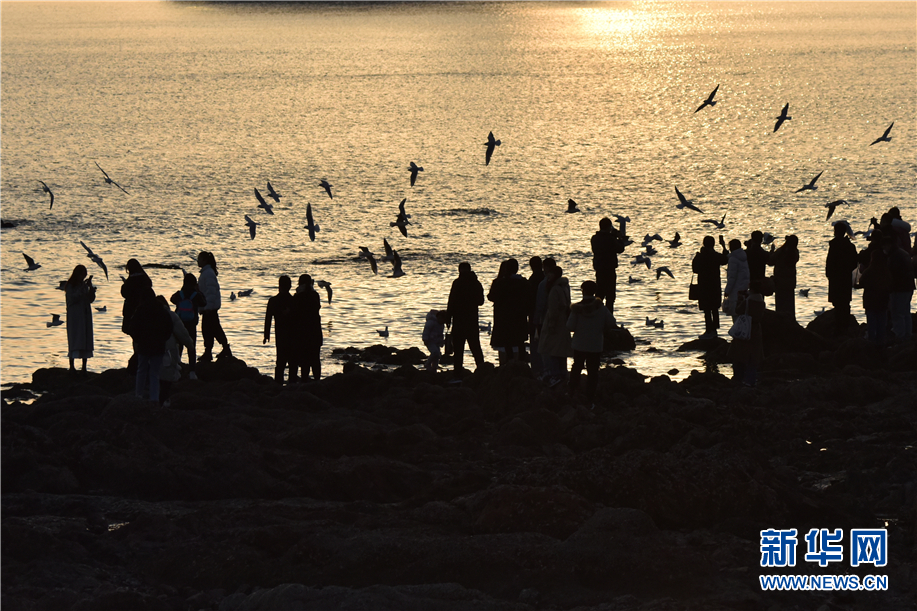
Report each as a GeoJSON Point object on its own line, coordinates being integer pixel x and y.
{"type": "Point", "coordinates": [398, 490]}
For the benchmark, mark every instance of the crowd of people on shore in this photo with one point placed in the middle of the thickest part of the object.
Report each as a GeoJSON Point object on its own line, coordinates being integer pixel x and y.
{"type": "Point", "coordinates": [535, 312]}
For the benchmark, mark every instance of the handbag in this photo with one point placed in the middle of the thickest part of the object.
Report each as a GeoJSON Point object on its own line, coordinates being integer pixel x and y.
{"type": "Point", "coordinates": [728, 306]}
{"type": "Point", "coordinates": [741, 328]}
{"type": "Point", "coordinates": [693, 290]}
{"type": "Point", "coordinates": [448, 349]}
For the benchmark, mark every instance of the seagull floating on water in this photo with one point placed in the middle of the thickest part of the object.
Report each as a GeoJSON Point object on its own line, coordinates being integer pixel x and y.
{"type": "Point", "coordinates": [383, 333]}
{"type": "Point", "coordinates": [571, 206]}
{"type": "Point", "coordinates": [55, 320]}
{"type": "Point", "coordinates": [490, 144]}
{"type": "Point", "coordinates": [709, 101]}
{"type": "Point", "coordinates": [32, 265]}
{"type": "Point", "coordinates": [251, 225]}
{"type": "Point", "coordinates": [820, 312]}
{"type": "Point", "coordinates": [108, 179]}
{"type": "Point", "coordinates": [783, 117]}
{"type": "Point", "coordinates": [414, 168]}
{"type": "Point", "coordinates": [664, 270]}
{"type": "Point", "coordinates": [811, 186]}
{"type": "Point", "coordinates": [232, 296]}
{"type": "Point", "coordinates": [883, 138]}
{"type": "Point", "coordinates": [650, 323]}
{"type": "Point", "coordinates": [803, 292]}
{"type": "Point", "coordinates": [102, 309]}
{"type": "Point", "coordinates": [274, 195]}
{"type": "Point", "coordinates": [632, 280]}
{"type": "Point", "coordinates": [310, 223]}
{"type": "Point", "coordinates": [719, 224]}
{"type": "Point", "coordinates": [327, 187]}
{"type": "Point", "coordinates": [269, 208]}
{"type": "Point", "coordinates": [47, 190]}
{"type": "Point", "coordinates": [487, 328]}
{"type": "Point", "coordinates": [685, 202]}
{"type": "Point", "coordinates": [324, 285]}
{"type": "Point", "coordinates": [245, 292]}
{"type": "Point", "coordinates": [95, 259]}
{"type": "Point", "coordinates": [832, 205]}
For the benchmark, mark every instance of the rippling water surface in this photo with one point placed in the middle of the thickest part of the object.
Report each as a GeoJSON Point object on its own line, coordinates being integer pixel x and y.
{"type": "Point", "coordinates": [192, 106]}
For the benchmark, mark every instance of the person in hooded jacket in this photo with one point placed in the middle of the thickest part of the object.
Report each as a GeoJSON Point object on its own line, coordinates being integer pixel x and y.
{"type": "Point", "coordinates": [509, 294]}
{"type": "Point", "coordinates": [839, 266]}
{"type": "Point", "coordinates": [133, 288]}
{"type": "Point", "coordinates": [876, 283]}
{"type": "Point", "coordinates": [188, 302]}
{"type": "Point", "coordinates": [784, 261]}
{"type": "Point", "coordinates": [79, 294]}
{"type": "Point", "coordinates": [737, 277]}
{"type": "Point", "coordinates": [589, 320]}
{"type": "Point", "coordinates": [465, 297]}
{"type": "Point", "coordinates": [554, 341]}
{"type": "Point", "coordinates": [706, 264]}
{"type": "Point", "coordinates": [211, 328]}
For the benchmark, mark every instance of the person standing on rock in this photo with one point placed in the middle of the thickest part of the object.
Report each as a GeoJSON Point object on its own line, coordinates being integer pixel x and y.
{"type": "Point", "coordinates": [79, 294]}
{"type": "Point", "coordinates": [876, 283]}
{"type": "Point", "coordinates": [737, 277]}
{"type": "Point", "coordinates": [508, 293]}
{"type": "Point", "coordinates": [554, 341]}
{"type": "Point", "coordinates": [757, 256]}
{"type": "Point", "coordinates": [133, 288]}
{"type": "Point", "coordinates": [607, 244]}
{"type": "Point", "coordinates": [188, 302]}
{"type": "Point", "coordinates": [589, 320]}
{"type": "Point", "coordinates": [211, 328]}
{"type": "Point", "coordinates": [465, 297]}
{"type": "Point", "coordinates": [171, 360]}
{"type": "Point", "coordinates": [307, 331]}
{"type": "Point", "coordinates": [150, 327]}
{"type": "Point", "coordinates": [279, 310]}
{"type": "Point", "coordinates": [537, 267]}
{"type": "Point", "coordinates": [839, 266]}
{"type": "Point", "coordinates": [902, 288]}
{"type": "Point", "coordinates": [746, 354]}
{"type": "Point", "coordinates": [706, 264]}
{"type": "Point", "coordinates": [784, 261]}
{"type": "Point", "coordinates": [434, 338]}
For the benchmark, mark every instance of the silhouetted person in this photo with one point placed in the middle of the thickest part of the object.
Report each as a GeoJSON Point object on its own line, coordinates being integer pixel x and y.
{"type": "Point", "coordinates": [757, 257]}
{"type": "Point", "coordinates": [839, 266]}
{"type": "Point", "coordinates": [607, 244]}
{"type": "Point", "coordinates": [902, 288]}
{"type": "Point", "coordinates": [537, 267]}
{"type": "Point", "coordinates": [706, 264]}
{"type": "Point", "coordinates": [466, 296]}
{"type": "Point", "coordinates": [188, 302]}
{"type": "Point", "coordinates": [307, 330]}
{"type": "Point", "coordinates": [784, 260]}
{"type": "Point", "coordinates": [433, 337]}
{"type": "Point", "coordinates": [211, 328]}
{"type": "Point", "coordinates": [541, 309]}
{"type": "Point", "coordinates": [876, 283]}
{"type": "Point", "coordinates": [747, 354]}
{"type": "Point", "coordinates": [554, 341]}
{"type": "Point", "coordinates": [280, 311]}
{"type": "Point", "coordinates": [171, 361]}
{"type": "Point", "coordinates": [893, 225]}
{"type": "Point", "coordinates": [589, 320]}
{"type": "Point", "coordinates": [508, 293]}
{"type": "Point", "coordinates": [79, 294]}
{"type": "Point", "coordinates": [134, 287]}
{"type": "Point", "coordinates": [150, 327]}
{"type": "Point", "coordinates": [737, 276]}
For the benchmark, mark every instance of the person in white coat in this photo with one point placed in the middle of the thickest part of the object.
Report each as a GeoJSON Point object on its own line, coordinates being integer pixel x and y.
{"type": "Point", "coordinates": [171, 360]}
{"type": "Point", "coordinates": [737, 277]}
{"type": "Point", "coordinates": [589, 320]}
{"type": "Point", "coordinates": [211, 328]}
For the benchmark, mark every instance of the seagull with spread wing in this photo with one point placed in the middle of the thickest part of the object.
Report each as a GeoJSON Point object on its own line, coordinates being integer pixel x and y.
{"type": "Point", "coordinates": [811, 186]}
{"type": "Point", "coordinates": [47, 190]}
{"type": "Point", "coordinates": [414, 168]}
{"type": "Point", "coordinates": [324, 284]}
{"type": "Point", "coordinates": [311, 225]}
{"type": "Point", "coordinates": [490, 144]}
{"type": "Point", "coordinates": [274, 195]}
{"type": "Point", "coordinates": [685, 202]}
{"type": "Point", "coordinates": [832, 205]}
{"type": "Point", "coordinates": [709, 101]}
{"type": "Point", "coordinates": [269, 208]}
{"type": "Point", "coordinates": [32, 265]}
{"type": "Point", "coordinates": [884, 137]}
{"type": "Point", "coordinates": [783, 117]}
{"type": "Point", "coordinates": [108, 179]}
{"type": "Point", "coordinates": [719, 224]}
{"type": "Point", "coordinates": [327, 187]}
{"type": "Point", "coordinates": [252, 225]}
{"type": "Point", "coordinates": [95, 259]}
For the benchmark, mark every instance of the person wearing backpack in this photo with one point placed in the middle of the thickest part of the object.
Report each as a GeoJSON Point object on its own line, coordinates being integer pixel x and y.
{"type": "Point", "coordinates": [188, 301]}
{"type": "Point", "coordinates": [150, 327]}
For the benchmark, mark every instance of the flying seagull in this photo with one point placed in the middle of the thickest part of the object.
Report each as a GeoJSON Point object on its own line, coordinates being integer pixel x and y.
{"type": "Point", "coordinates": [402, 221]}
{"type": "Point", "coordinates": [685, 203]}
{"type": "Point", "coordinates": [327, 187]}
{"type": "Point", "coordinates": [832, 205]}
{"type": "Point", "coordinates": [389, 253]}
{"type": "Point", "coordinates": [311, 226]}
{"type": "Point", "coordinates": [719, 224]}
{"type": "Point", "coordinates": [108, 179]}
{"type": "Point", "coordinates": [783, 117]}
{"type": "Point", "coordinates": [397, 272]}
{"type": "Point", "coordinates": [649, 238]}
{"type": "Point", "coordinates": [95, 259]}
{"type": "Point", "coordinates": [709, 101]}
{"type": "Point", "coordinates": [811, 186]}
{"type": "Point", "coordinates": [251, 225]}
{"type": "Point", "coordinates": [325, 285]}
{"type": "Point", "coordinates": [365, 253]}
{"type": "Point", "coordinates": [664, 270]}
{"type": "Point", "coordinates": [884, 137]}
{"type": "Point", "coordinates": [269, 208]}
{"type": "Point", "coordinates": [45, 189]}
{"type": "Point", "coordinates": [372, 263]}
{"type": "Point", "coordinates": [571, 206]}
{"type": "Point", "coordinates": [676, 241]}
{"type": "Point", "coordinates": [642, 259]}
{"type": "Point", "coordinates": [490, 144]}
{"type": "Point", "coordinates": [32, 265]}
{"type": "Point", "coordinates": [55, 320]}
{"type": "Point", "coordinates": [274, 195]}
{"type": "Point", "coordinates": [414, 168]}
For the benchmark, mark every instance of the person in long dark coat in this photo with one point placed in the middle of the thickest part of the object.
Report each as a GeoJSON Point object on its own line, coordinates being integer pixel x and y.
{"type": "Point", "coordinates": [466, 296]}
{"type": "Point", "coordinates": [876, 283]}
{"type": "Point", "coordinates": [509, 292]}
{"type": "Point", "coordinates": [784, 260]}
{"type": "Point", "coordinates": [839, 266]}
{"type": "Point", "coordinates": [306, 330]}
{"type": "Point", "coordinates": [607, 244]}
{"type": "Point", "coordinates": [150, 327]}
{"type": "Point", "coordinates": [706, 264]}
{"type": "Point", "coordinates": [757, 257]}
{"type": "Point", "coordinates": [133, 289]}
{"type": "Point", "coordinates": [279, 310]}
{"type": "Point", "coordinates": [80, 293]}
{"type": "Point", "coordinates": [537, 267]}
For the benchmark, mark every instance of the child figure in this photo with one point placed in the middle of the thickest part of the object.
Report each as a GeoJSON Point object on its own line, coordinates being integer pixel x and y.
{"type": "Point", "coordinates": [433, 337]}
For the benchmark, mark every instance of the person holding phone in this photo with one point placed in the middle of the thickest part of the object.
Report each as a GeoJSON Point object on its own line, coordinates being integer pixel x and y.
{"type": "Point", "coordinates": [80, 293]}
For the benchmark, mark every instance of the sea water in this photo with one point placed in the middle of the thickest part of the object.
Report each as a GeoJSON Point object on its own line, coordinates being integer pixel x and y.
{"type": "Point", "coordinates": [191, 106]}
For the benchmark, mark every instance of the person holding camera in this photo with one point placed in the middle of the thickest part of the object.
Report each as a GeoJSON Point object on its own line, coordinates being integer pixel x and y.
{"type": "Point", "coordinates": [80, 293]}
